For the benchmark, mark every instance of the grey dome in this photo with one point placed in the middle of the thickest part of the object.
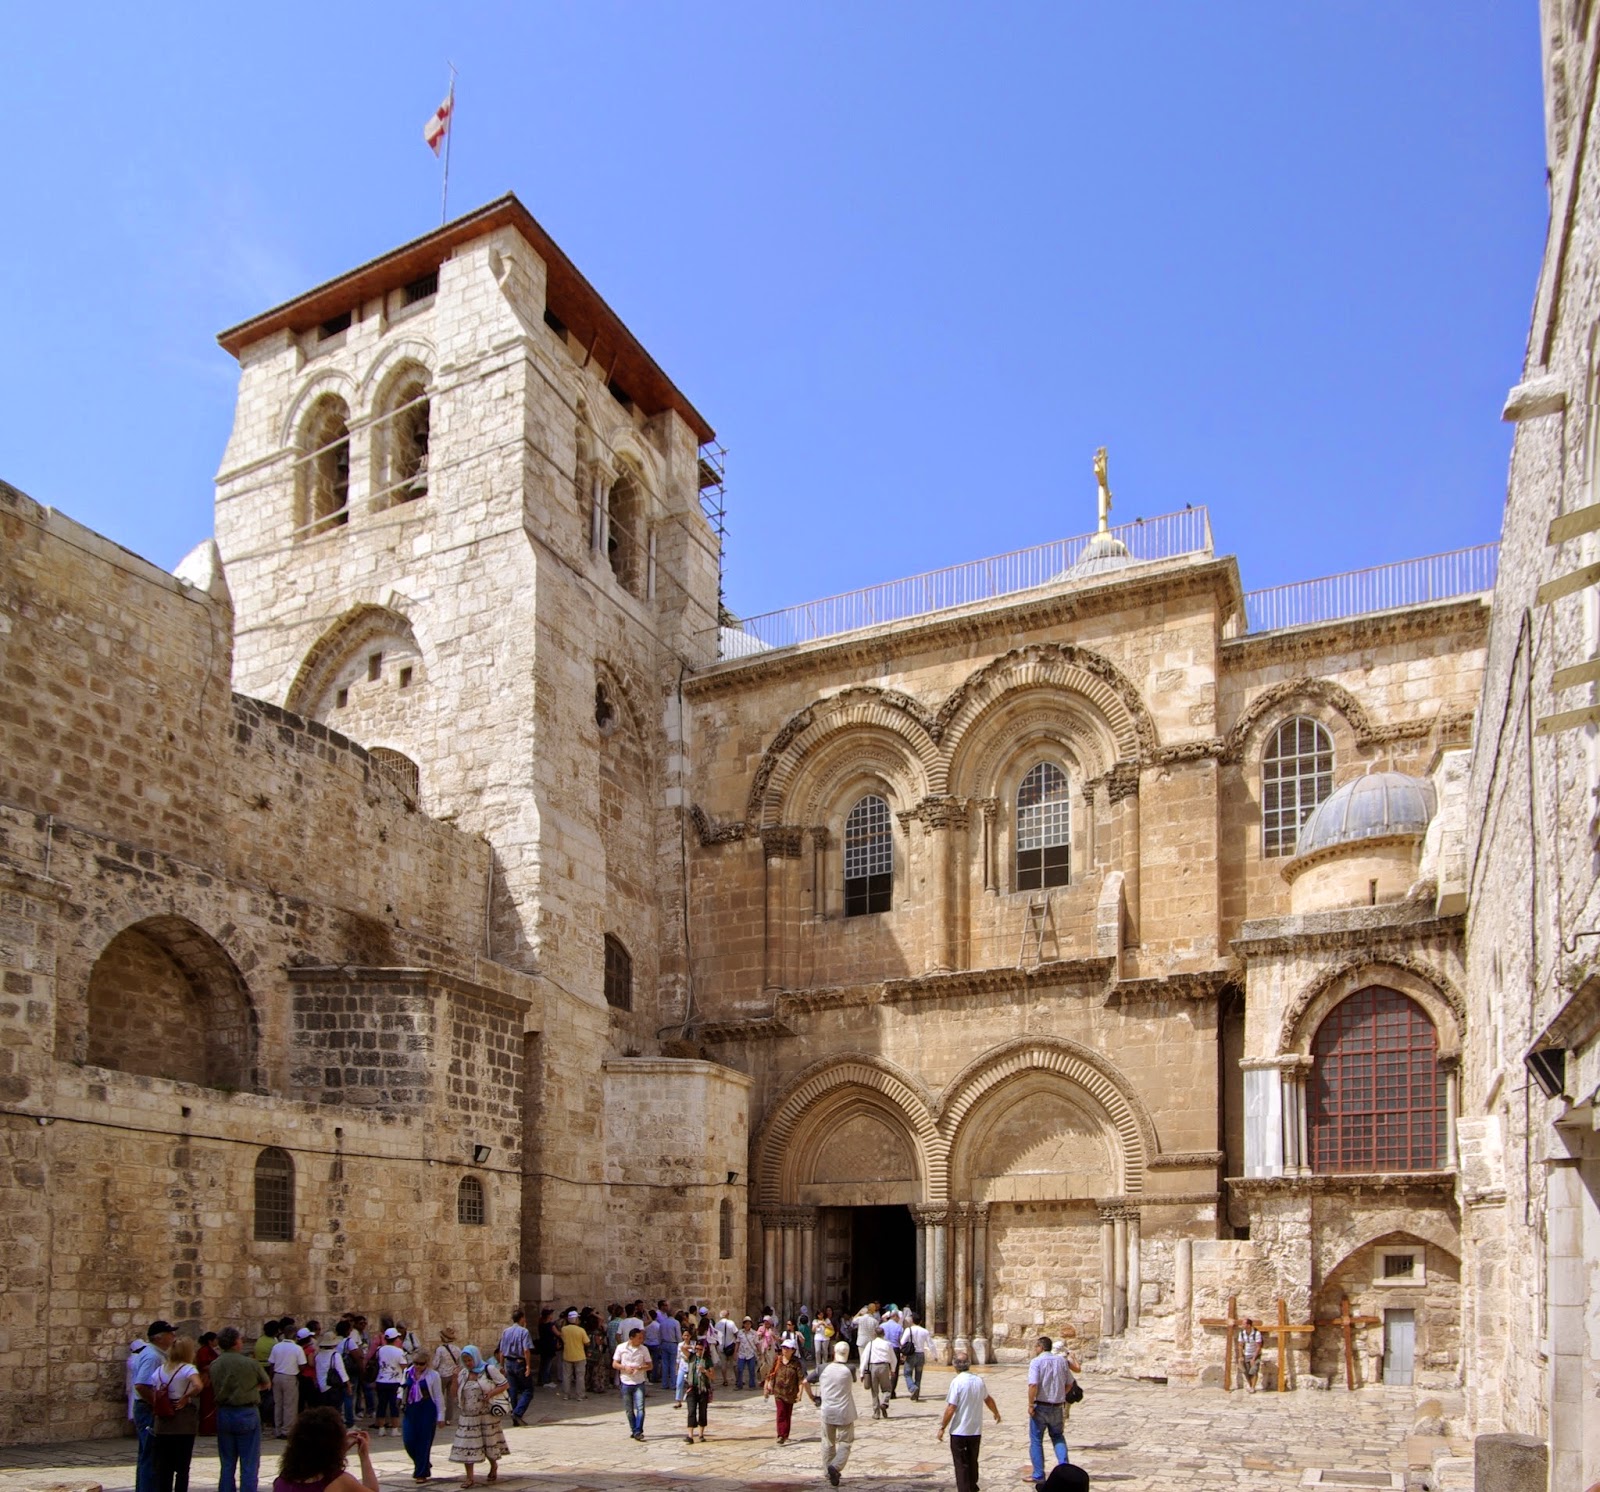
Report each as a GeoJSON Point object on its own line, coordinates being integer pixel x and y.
{"type": "Point", "coordinates": [1377, 806]}
{"type": "Point", "coordinates": [1102, 554]}
{"type": "Point", "coordinates": [735, 642]}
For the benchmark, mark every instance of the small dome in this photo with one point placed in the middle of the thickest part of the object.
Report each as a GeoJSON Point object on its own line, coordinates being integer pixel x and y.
{"type": "Point", "coordinates": [735, 642]}
{"type": "Point", "coordinates": [1102, 554]}
{"type": "Point", "coordinates": [1381, 805]}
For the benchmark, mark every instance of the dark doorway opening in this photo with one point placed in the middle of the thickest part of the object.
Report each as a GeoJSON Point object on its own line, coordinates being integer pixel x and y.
{"type": "Point", "coordinates": [883, 1256]}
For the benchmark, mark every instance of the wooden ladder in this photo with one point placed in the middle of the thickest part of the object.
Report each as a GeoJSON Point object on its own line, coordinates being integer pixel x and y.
{"type": "Point", "coordinates": [1041, 919]}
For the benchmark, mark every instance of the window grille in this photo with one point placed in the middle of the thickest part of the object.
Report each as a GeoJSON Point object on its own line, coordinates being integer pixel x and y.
{"type": "Point", "coordinates": [274, 1196]}
{"type": "Point", "coordinates": [1377, 1090]}
{"type": "Point", "coordinates": [725, 1229]}
{"type": "Point", "coordinates": [324, 469]}
{"type": "Point", "coordinates": [1044, 828]}
{"type": "Point", "coordinates": [868, 858]}
{"type": "Point", "coordinates": [469, 1202]}
{"type": "Point", "coordinates": [619, 975]}
{"type": "Point", "coordinates": [421, 288]}
{"type": "Point", "coordinates": [398, 769]}
{"type": "Point", "coordinates": [1296, 775]}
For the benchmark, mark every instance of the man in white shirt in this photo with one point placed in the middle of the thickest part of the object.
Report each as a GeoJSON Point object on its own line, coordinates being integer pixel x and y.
{"type": "Point", "coordinates": [963, 1413]}
{"type": "Point", "coordinates": [1049, 1378]}
{"type": "Point", "coordinates": [284, 1363]}
{"type": "Point", "coordinates": [836, 1399]}
{"type": "Point", "coordinates": [877, 1372]}
{"type": "Point", "coordinates": [632, 1363]}
{"type": "Point", "coordinates": [726, 1332]}
{"type": "Point", "coordinates": [917, 1343]}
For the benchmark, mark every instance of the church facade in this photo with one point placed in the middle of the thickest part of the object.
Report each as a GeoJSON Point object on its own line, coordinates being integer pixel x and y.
{"type": "Point", "coordinates": [429, 898]}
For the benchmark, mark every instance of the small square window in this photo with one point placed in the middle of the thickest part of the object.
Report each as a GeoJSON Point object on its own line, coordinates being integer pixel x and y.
{"type": "Point", "coordinates": [374, 667]}
{"type": "Point", "coordinates": [1400, 1267]}
{"type": "Point", "coordinates": [342, 698]}
{"type": "Point", "coordinates": [405, 678]}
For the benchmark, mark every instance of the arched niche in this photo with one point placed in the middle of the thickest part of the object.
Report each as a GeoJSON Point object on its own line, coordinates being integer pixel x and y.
{"type": "Point", "coordinates": [1037, 1138]}
{"type": "Point", "coordinates": [165, 1000]}
{"type": "Point", "coordinates": [363, 676]}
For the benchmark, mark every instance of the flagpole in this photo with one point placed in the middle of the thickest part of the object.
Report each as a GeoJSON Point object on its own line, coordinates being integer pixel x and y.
{"type": "Point", "coordinates": [450, 129]}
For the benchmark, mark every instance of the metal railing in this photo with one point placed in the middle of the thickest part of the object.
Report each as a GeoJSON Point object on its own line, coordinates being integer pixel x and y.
{"type": "Point", "coordinates": [1439, 577]}
{"type": "Point", "coordinates": [1168, 537]}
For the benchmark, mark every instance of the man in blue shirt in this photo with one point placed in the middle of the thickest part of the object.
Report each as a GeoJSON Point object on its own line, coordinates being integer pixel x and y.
{"type": "Point", "coordinates": [1049, 1378]}
{"type": "Point", "coordinates": [516, 1358]}
{"type": "Point", "coordinates": [156, 1341]}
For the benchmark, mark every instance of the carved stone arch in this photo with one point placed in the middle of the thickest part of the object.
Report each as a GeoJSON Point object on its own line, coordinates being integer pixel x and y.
{"type": "Point", "coordinates": [860, 755]}
{"type": "Point", "coordinates": [864, 705]}
{"type": "Point", "coordinates": [1078, 1065]}
{"type": "Point", "coordinates": [798, 1108]}
{"type": "Point", "coordinates": [355, 629]}
{"type": "Point", "coordinates": [1420, 1227]}
{"type": "Point", "coordinates": [1432, 990]}
{"type": "Point", "coordinates": [622, 446]}
{"type": "Point", "coordinates": [390, 365]}
{"type": "Point", "coordinates": [325, 381]}
{"type": "Point", "coordinates": [1064, 668]}
{"type": "Point", "coordinates": [1243, 740]}
{"type": "Point", "coordinates": [1018, 721]}
{"type": "Point", "coordinates": [625, 690]}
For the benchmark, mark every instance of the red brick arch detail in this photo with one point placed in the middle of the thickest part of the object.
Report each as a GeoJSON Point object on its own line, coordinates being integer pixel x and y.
{"type": "Point", "coordinates": [1077, 1065]}
{"type": "Point", "coordinates": [353, 630]}
{"type": "Point", "coordinates": [895, 1088]}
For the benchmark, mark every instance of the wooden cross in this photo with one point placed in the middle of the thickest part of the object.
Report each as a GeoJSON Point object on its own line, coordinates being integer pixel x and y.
{"type": "Point", "coordinates": [1231, 1323]}
{"type": "Point", "coordinates": [1345, 1321]}
{"type": "Point", "coordinates": [1283, 1331]}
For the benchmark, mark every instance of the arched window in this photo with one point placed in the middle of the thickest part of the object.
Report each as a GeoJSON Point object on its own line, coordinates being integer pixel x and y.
{"type": "Point", "coordinates": [725, 1229]}
{"type": "Point", "coordinates": [324, 470]}
{"type": "Point", "coordinates": [1044, 825]}
{"type": "Point", "coordinates": [402, 433]}
{"type": "Point", "coordinates": [469, 1202]}
{"type": "Point", "coordinates": [1296, 775]}
{"type": "Point", "coordinates": [399, 769]}
{"type": "Point", "coordinates": [625, 549]}
{"type": "Point", "coordinates": [619, 975]}
{"type": "Point", "coordinates": [868, 858]}
{"type": "Point", "coordinates": [1377, 1089]}
{"type": "Point", "coordinates": [274, 1196]}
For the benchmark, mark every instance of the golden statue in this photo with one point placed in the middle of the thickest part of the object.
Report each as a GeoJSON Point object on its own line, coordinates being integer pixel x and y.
{"type": "Point", "coordinates": [1105, 487]}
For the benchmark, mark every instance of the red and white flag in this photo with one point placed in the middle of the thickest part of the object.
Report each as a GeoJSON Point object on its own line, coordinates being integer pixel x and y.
{"type": "Point", "coordinates": [434, 130]}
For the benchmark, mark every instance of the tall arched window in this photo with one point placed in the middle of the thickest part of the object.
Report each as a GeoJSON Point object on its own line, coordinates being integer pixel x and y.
{"type": "Point", "coordinates": [1044, 826]}
{"type": "Point", "coordinates": [625, 546]}
{"type": "Point", "coordinates": [469, 1202]}
{"type": "Point", "coordinates": [619, 975]}
{"type": "Point", "coordinates": [868, 858]}
{"type": "Point", "coordinates": [274, 1196]}
{"type": "Point", "coordinates": [1296, 775]}
{"type": "Point", "coordinates": [324, 471]}
{"type": "Point", "coordinates": [1377, 1089]}
{"type": "Point", "coordinates": [403, 432]}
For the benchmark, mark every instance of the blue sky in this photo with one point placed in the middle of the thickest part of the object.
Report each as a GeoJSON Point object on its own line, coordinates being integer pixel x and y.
{"type": "Point", "coordinates": [914, 262]}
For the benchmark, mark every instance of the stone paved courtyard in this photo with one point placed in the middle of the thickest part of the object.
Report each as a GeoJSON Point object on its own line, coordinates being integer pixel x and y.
{"type": "Point", "coordinates": [1132, 1436]}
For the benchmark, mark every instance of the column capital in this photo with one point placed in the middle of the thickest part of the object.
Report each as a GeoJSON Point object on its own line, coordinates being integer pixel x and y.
{"type": "Point", "coordinates": [942, 811]}
{"type": "Point", "coordinates": [782, 841]}
{"type": "Point", "coordinates": [931, 1214]}
{"type": "Point", "coordinates": [789, 1215]}
{"type": "Point", "coordinates": [988, 807]}
{"type": "Point", "coordinates": [820, 837]}
{"type": "Point", "coordinates": [1122, 781]}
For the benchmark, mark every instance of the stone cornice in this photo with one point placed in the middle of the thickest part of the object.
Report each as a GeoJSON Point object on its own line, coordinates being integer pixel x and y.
{"type": "Point", "coordinates": [1194, 1160]}
{"type": "Point", "coordinates": [1198, 984]}
{"type": "Point", "coordinates": [749, 1028]}
{"type": "Point", "coordinates": [1373, 1181]}
{"type": "Point", "coordinates": [1366, 928]}
{"type": "Point", "coordinates": [431, 979]}
{"type": "Point", "coordinates": [1321, 638]}
{"type": "Point", "coordinates": [986, 624]}
{"type": "Point", "coordinates": [710, 832]}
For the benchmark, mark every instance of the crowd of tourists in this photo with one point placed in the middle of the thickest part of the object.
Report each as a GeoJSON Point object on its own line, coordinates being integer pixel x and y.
{"type": "Point", "coordinates": [328, 1391]}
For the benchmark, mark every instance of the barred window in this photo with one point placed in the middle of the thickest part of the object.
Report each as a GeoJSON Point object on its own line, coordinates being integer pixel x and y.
{"type": "Point", "coordinates": [274, 1196]}
{"type": "Point", "coordinates": [725, 1229]}
{"type": "Point", "coordinates": [1044, 827]}
{"type": "Point", "coordinates": [868, 858]}
{"type": "Point", "coordinates": [469, 1202]}
{"type": "Point", "coordinates": [1377, 1089]}
{"type": "Point", "coordinates": [323, 469]}
{"type": "Point", "coordinates": [1296, 775]}
{"type": "Point", "coordinates": [619, 975]}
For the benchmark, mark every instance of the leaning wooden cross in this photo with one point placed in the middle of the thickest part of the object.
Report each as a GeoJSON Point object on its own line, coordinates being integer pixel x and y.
{"type": "Point", "coordinates": [1232, 1325]}
{"type": "Point", "coordinates": [1346, 1322]}
{"type": "Point", "coordinates": [1282, 1331]}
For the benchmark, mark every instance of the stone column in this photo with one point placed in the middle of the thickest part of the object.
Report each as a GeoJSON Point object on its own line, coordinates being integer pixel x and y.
{"type": "Point", "coordinates": [769, 1257]}
{"type": "Point", "coordinates": [808, 1259]}
{"type": "Point", "coordinates": [981, 1339]}
{"type": "Point", "coordinates": [990, 808]}
{"type": "Point", "coordinates": [781, 846]}
{"type": "Point", "coordinates": [1452, 1107]}
{"type": "Point", "coordinates": [938, 1277]}
{"type": "Point", "coordinates": [791, 1267]}
{"type": "Point", "coordinates": [943, 819]}
{"type": "Point", "coordinates": [918, 1217]}
{"type": "Point", "coordinates": [1122, 787]}
{"type": "Point", "coordinates": [1183, 1289]}
{"type": "Point", "coordinates": [1108, 1276]}
{"type": "Point", "coordinates": [1119, 1262]}
{"type": "Point", "coordinates": [961, 1282]}
{"type": "Point", "coordinates": [1135, 1268]}
{"type": "Point", "coordinates": [819, 873]}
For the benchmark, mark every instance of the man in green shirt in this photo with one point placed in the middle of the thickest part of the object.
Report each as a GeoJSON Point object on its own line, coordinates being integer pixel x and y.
{"type": "Point", "coordinates": [237, 1382]}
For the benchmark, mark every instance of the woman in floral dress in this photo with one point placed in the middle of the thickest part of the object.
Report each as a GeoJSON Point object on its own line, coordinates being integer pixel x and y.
{"type": "Point", "coordinates": [478, 1433]}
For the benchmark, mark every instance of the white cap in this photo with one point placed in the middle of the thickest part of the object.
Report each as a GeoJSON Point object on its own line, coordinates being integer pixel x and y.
{"type": "Point", "coordinates": [304, 1332]}
{"type": "Point", "coordinates": [572, 1315]}
{"type": "Point", "coordinates": [390, 1334]}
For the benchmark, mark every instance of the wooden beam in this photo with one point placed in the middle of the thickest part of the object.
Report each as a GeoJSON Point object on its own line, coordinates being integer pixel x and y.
{"type": "Point", "coordinates": [1553, 725]}
{"type": "Point", "coordinates": [1565, 585]}
{"type": "Point", "coordinates": [1575, 674]}
{"type": "Point", "coordinates": [1571, 525]}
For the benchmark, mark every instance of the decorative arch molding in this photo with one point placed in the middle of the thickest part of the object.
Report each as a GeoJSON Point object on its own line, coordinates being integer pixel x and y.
{"type": "Point", "coordinates": [861, 755]}
{"type": "Point", "coordinates": [1088, 749]}
{"type": "Point", "coordinates": [625, 689]}
{"type": "Point", "coordinates": [353, 630]}
{"type": "Point", "coordinates": [864, 705]}
{"type": "Point", "coordinates": [1078, 1065]}
{"type": "Point", "coordinates": [796, 1108]}
{"type": "Point", "coordinates": [325, 381]}
{"type": "Point", "coordinates": [1270, 703]}
{"type": "Point", "coordinates": [1418, 981]}
{"type": "Point", "coordinates": [622, 447]}
{"type": "Point", "coordinates": [396, 359]}
{"type": "Point", "coordinates": [1421, 1227]}
{"type": "Point", "coordinates": [1060, 667]}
